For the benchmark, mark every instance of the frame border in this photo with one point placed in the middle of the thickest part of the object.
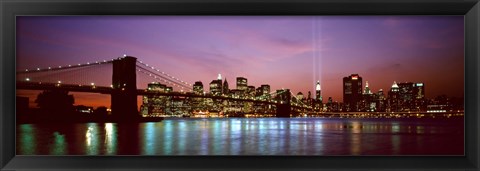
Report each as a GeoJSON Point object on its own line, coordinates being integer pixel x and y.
{"type": "Point", "coordinates": [11, 8]}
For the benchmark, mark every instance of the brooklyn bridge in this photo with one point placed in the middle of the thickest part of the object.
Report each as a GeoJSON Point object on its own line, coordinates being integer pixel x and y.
{"type": "Point", "coordinates": [126, 73]}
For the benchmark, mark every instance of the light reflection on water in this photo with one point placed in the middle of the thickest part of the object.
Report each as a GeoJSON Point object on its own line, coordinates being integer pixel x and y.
{"type": "Point", "coordinates": [246, 136]}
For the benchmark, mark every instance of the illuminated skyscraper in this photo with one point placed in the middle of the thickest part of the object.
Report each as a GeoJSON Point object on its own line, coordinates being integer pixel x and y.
{"type": "Point", "coordinates": [393, 98]}
{"type": "Point", "coordinates": [242, 83]}
{"type": "Point", "coordinates": [380, 101]}
{"type": "Point", "coordinates": [318, 91]}
{"type": "Point", "coordinates": [250, 91]}
{"type": "Point", "coordinates": [263, 92]}
{"type": "Point", "coordinates": [318, 97]}
{"type": "Point", "coordinates": [216, 87]}
{"type": "Point", "coordinates": [154, 105]}
{"type": "Point", "coordinates": [368, 100]}
{"type": "Point", "coordinates": [198, 88]}
{"type": "Point", "coordinates": [352, 92]}
{"type": "Point", "coordinates": [367, 89]}
{"type": "Point", "coordinates": [410, 95]}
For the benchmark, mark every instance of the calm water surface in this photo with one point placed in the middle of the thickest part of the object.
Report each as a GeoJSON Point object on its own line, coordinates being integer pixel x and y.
{"type": "Point", "coordinates": [247, 136]}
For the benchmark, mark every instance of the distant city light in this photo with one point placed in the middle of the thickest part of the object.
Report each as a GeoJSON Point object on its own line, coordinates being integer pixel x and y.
{"type": "Point", "coordinates": [27, 79]}
{"type": "Point", "coordinates": [59, 82]}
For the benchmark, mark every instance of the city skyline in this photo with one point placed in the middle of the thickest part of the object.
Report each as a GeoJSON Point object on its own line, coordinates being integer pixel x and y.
{"type": "Point", "coordinates": [289, 52]}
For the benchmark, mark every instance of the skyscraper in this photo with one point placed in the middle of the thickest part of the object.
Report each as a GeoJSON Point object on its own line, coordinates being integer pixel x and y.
{"type": "Point", "coordinates": [393, 98]}
{"type": "Point", "coordinates": [367, 89]}
{"type": "Point", "coordinates": [216, 87]}
{"type": "Point", "coordinates": [198, 88]}
{"type": "Point", "coordinates": [352, 92]}
{"type": "Point", "coordinates": [154, 105]}
{"type": "Point", "coordinates": [410, 95]}
{"type": "Point", "coordinates": [225, 87]}
{"type": "Point", "coordinates": [250, 91]}
{"type": "Point", "coordinates": [318, 91]}
{"type": "Point", "coordinates": [318, 97]}
{"type": "Point", "coordinates": [380, 101]}
{"type": "Point", "coordinates": [264, 92]}
{"type": "Point", "coordinates": [242, 83]}
{"type": "Point", "coordinates": [369, 99]}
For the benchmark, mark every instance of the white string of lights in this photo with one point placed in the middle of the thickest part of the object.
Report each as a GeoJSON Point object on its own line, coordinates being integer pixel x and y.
{"type": "Point", "coordinates": [166, 74]}
{"type": "Point", "coordinates": [163, 79]}
{"type": "Point", "coordinates": [62, 67]}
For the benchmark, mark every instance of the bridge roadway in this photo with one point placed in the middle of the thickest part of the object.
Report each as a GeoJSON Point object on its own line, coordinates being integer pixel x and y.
{"type": "Point", "coordinates": [108, 90]}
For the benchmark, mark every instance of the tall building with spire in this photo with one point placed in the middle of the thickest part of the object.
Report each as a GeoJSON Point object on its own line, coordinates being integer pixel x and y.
{"type": "Point", "coordinates": [367, 89]}
{"type": "Point", "coordinates": [368, 102]}
{"type": "Point", "coordinates": [393, 98]}
{"type": "Point", "coordinates": [318, 97]}
{"type": "Point", "coordinates": [225, 87]}
{"type": "Point", "coordinates": [318, 91]}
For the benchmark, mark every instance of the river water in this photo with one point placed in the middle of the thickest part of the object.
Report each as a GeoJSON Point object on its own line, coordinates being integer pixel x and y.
{"type": "Point", "coordinates": [247, 136]}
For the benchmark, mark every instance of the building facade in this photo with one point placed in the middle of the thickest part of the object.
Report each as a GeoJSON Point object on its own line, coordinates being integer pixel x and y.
{"type": "Point", "coordinates": [352, 93]}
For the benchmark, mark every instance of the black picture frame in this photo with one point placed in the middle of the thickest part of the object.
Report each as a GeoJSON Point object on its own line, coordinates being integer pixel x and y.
{"type": "Point", "coordinates": [11, 8]}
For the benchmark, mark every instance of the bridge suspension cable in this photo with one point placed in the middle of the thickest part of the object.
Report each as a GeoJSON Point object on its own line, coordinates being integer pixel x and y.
{"type": "Point", "coordinates": [80, 74]}
{"type": "Point", "coordinates": [159, 75]}
{"type": "Point", "coordinates": [163, 73]}
{"type": "Point", "coordinates": [64, 67]}
{"type": "Point", "coordinates": [162, 78]}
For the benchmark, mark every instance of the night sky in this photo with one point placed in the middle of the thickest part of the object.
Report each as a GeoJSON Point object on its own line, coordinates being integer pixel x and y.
{"type": "Point", "coordinates": [284, 52]}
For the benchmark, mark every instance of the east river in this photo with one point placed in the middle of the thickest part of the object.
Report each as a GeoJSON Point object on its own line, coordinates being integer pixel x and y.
{"type": "Point", "coordinates": [247, 136]}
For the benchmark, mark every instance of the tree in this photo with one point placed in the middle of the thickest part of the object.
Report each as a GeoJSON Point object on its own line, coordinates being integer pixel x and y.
{"type": "Point", "coordinates": [55, 102]}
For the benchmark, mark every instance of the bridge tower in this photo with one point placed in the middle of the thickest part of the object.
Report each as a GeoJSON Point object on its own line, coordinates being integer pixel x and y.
{"type": "Point", "coordinates": [124, 84]}
{"type": "Point", "coordinates": [284, 107]}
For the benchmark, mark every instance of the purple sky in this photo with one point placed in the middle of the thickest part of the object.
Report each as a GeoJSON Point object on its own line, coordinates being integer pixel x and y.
{"type": "Point", "coordinates": [285, 52]}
